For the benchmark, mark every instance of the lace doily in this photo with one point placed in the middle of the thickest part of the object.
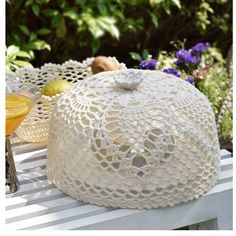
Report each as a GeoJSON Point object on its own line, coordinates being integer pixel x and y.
{"type": "Point", "coordinates": [35, 126]}
{"type": "Point", "coordinates": [148, 143]}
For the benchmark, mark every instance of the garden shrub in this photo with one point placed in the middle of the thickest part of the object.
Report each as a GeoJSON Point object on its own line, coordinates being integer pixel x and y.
{"type": "Point", "coordinates": [55, 31]}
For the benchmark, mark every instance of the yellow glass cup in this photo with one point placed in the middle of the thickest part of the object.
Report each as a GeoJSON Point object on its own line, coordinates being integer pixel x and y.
{"type": "Point", "coordinates": [20, 99]}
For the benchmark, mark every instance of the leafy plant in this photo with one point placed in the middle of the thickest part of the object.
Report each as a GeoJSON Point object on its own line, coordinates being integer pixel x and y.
{"type": "Point", "coordinates": [202, 15]}
{"type": "Point", "coordinates": [136, 56]}
{"type": "Point", "coordinates": [15, 58]}
{"type": "Point", "coordinates": [80, 28]}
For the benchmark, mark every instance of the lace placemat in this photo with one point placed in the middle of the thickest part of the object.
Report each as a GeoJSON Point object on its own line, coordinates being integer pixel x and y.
{"type": "Point", "coordinates": [35, 126]}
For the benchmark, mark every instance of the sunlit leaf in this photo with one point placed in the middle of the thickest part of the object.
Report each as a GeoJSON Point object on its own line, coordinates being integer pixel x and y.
{"type": "Point", "coordinates": [23, 54]}
{"type": "Point", "coordinates": [135, 56]}
{"type": "Point", "coordinates": [24, 29]}
{"type": "Point", "coordinates": [50, 12]}
{"type": "Point", "coordinates": [155, 2]}
{"type": "Point", "coordinates": [44, 31]}
{"type": "Point", "coordinates": [114, 31]}
{"type": "Point", "coordinates": [33, 36]}
{"type": "Point", "coordinates": [177, 3]}
{"type": "Point", "coordinates": [35, 9]}
{"type": "Point", "coordinates": [154, 18]}
{"type": "Point", "coordinates": [22, 63]}
{"type": "Point", "coordinates": [12, 50]}
{"type": "Point", "coordinates": [71, 14]}
{"type": "Point", "coordinates": [108, 24]}
{"type": "Point", "coordinates": [29, 2]}
{"type": "Point", "coordinates": [38, 45]}
{"type": "Point", "coordinates": [167, 9]}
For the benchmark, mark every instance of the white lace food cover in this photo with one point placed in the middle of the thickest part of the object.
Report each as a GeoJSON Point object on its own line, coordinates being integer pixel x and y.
{"type": "Point", "coordinates": [133, 139]}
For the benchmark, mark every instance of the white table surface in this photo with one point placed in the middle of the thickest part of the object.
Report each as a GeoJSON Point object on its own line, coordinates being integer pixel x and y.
{"type": "Point", "coordinates": [40, 205]}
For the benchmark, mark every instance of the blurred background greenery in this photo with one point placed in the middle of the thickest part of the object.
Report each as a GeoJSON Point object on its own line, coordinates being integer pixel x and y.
{"type": "Point", "coordinates": [55, 31]}
{"type": "Point", "coordinates": [41, 31]}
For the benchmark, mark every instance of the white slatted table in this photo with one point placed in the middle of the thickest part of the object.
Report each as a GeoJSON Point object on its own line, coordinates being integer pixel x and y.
{"type": "Point", "coordinates": [39, 205]}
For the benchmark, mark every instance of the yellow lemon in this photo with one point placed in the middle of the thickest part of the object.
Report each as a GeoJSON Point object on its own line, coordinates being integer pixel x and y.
{"type": "Point", "coordinates": [56, 87]}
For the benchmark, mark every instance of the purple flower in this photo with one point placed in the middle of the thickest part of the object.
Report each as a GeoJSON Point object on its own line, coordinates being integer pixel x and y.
{"type": "Point", "coordinates": [185, 57]}
{"type": "Point", "coordinates": [185, 60]}
{"type": "Point", "coordinates": [171, 71]}
{"type": "Point", "coordinates": [182, 54]}
{"type": "Point", "coordinates": [194, 60]}
{"type": "Point", "coordinates": [199, 48]}
{"type": "Point", "coordinates": [190, 79]}
{"type": "Point", "coordinates": [148, 64]}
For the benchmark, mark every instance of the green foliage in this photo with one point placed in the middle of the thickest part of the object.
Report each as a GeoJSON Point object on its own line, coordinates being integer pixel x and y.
{"type": "Point", "coordinates": [202, 15]}
{"type": "Point", "coordinates": [90, 21]}
{"type": "Point", "coordinates": [15, 58]}
{"type": "Point", "coordinates": [227, 124]}
{"type": "Point", "coordinates": [215, 85]}
{"type": "Point", "coordinates": [66, 27]}
{"type": "Point", "coordinates": [136, 56]}
{"type": "Point", "coordinates": [165, 4]}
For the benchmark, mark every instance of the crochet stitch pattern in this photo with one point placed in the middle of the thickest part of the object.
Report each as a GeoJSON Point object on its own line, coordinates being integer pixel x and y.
{"type": "Point", "coordinates": [36, 125]}
{"type": "Point", "coordinates": [150, 146]}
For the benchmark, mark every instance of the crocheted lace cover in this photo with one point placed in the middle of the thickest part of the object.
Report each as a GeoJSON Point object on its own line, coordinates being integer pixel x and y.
{"type": "Point", "coordinates": [150, 145]}
{"type": "Point", "coordinates": [35, 126]}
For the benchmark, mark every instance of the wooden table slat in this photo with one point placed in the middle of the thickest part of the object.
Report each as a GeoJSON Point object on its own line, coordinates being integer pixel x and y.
{"type": "Point", "coordinates": [33, 198]}
{"type": "Point", "coordinates": [41, 208]}
{"type": "Point", "coordinates": [58, 217]}
{"type": "Point", "coordinates": [40, 205]}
